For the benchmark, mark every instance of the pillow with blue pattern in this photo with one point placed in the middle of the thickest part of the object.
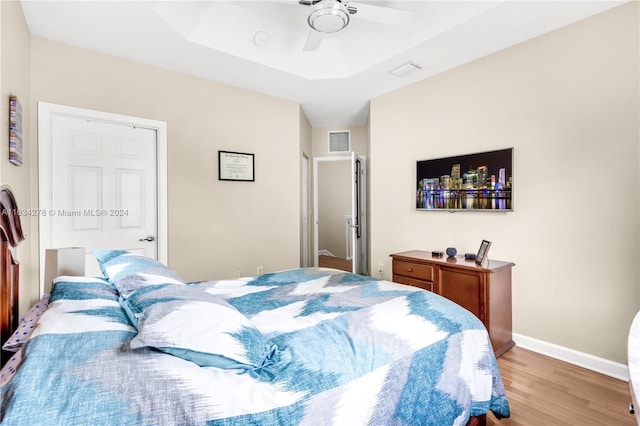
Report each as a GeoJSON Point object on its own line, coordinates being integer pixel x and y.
{"type": "Point", "coordinates": [200, 327]}
{"type": "Point", "coordinates": [129, 271]}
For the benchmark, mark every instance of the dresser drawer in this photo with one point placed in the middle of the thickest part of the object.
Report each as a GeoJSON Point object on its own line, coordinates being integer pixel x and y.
{"type": "Point", "coordinates": [413, 270]}
{"type": "Point", "coordinates": [426, 285]}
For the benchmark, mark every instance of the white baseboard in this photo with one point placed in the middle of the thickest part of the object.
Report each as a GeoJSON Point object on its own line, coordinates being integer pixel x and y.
{"type": "Point", "coordinates": [581, 359]}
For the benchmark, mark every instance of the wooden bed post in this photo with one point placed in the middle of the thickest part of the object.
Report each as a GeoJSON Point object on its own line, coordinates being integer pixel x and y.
{"type": "Point", "coordinates": [10, 236]}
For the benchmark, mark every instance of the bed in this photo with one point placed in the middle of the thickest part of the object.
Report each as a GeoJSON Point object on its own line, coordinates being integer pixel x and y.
{"type": "Point", "coordinates": [308, 346]}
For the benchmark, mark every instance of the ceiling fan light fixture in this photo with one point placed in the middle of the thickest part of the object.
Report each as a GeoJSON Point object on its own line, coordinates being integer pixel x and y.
{"type": "Point", "coordinates": [329, 16]}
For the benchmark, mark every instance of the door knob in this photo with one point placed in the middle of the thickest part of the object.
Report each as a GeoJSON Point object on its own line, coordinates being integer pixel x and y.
{"type": "Point", "coordinates": [149, 238]}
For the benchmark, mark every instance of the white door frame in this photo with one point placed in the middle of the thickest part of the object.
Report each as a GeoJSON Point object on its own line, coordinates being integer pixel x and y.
{"type": "Point", "coordinates": [45, 113]}
{"type": "Point", "coordinates": [305, 210]}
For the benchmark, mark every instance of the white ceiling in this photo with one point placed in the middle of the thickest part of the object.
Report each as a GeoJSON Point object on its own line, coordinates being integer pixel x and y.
{"type": "Point", "coordinates": [215, 40]}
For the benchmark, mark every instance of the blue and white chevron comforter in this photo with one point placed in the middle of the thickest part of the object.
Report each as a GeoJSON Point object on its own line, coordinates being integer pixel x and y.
{"type": "Point", "coordinates": [351, 350]}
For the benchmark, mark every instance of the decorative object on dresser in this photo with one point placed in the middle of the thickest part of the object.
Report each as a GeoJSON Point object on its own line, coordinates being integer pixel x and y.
{"type": "Point", "coordinates": [451, 251]}
{"type": "Point", "coordinates": [485, 290]}
{"type": "Point", "coordinates": [483, 251]}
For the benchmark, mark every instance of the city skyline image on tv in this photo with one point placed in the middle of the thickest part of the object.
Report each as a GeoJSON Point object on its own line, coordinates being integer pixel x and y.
{"type": "Point", "coordinates": [479, 181]}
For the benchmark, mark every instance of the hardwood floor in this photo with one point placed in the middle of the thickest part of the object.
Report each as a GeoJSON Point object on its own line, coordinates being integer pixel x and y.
{"type": "Point", "coordinates": [545, 391]}
{"type": "Point", "coordinates": [335, 263]}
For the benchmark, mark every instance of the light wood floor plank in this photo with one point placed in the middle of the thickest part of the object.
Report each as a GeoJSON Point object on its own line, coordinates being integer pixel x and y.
{"type": "Point", "coordinates": [545, 391]}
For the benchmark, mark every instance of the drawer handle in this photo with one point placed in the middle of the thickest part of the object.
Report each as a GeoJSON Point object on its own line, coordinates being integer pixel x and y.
{"type": "Point", "coordinates": [410, 270]}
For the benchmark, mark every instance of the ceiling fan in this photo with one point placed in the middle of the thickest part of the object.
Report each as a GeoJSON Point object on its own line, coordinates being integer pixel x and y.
{"type": "Point", "coordinates": [331, 16]}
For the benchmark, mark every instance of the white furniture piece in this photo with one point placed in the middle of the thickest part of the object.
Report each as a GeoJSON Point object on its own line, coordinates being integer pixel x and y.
{"type": "Point", "coordinates": [63, 261]}
{"type": "Point", "coordinates": [633, 360]}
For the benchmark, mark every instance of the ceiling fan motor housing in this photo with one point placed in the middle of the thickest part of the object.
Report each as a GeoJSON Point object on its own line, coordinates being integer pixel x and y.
{"type": "Point", "coordinates": [329, 16]}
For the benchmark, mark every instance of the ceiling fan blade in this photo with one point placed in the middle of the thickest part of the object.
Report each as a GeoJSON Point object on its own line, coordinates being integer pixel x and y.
{"type": "Point", "coordinates": [382, 14]}
{"type": "Point", "coordinates": [313, 41]}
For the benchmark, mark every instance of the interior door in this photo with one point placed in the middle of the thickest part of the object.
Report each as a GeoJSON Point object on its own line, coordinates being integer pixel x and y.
{"type": "Point", "coordinates": [99, 187]}
{"type": "Point", "coordinates": [358, 215]}
{"type": "Point", "coordinates": [103, 185]}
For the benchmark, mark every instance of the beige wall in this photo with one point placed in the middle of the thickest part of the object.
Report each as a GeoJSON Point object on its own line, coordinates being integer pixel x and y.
{"type": "Point", "coordinates": [216, 228]}
{"type": "Point", "coordinates": [15, 43]}
{"type": "Point", "coordinates": [568, 104]}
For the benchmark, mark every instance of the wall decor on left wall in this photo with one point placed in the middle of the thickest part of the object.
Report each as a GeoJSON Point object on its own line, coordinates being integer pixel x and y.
{"type": "Point", "coordinates": [236, 166]}
{"type": "Point", "coordinates": [15, 131]}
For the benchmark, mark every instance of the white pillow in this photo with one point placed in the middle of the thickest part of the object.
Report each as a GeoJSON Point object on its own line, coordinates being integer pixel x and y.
{"type": "Point", "coordinates": [129, 271]}
{"type": "Point", "coordinates": [197, 326]}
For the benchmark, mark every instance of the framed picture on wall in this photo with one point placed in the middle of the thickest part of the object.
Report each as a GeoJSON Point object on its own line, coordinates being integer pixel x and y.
{"type": "Point", "coordinates": [15, 131]}
{"type": "Point", "coordinates": [236, 166]}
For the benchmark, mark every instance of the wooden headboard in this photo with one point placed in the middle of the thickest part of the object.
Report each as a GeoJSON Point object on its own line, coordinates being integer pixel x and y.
{"type": "Point", "coordinates": [10, 236]}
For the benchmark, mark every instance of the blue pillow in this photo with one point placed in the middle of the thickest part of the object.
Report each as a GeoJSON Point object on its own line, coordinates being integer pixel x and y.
{"type": "Point", "coordinates": [129, 271]}
{"type": "Point", "coordinates": [192, 324]}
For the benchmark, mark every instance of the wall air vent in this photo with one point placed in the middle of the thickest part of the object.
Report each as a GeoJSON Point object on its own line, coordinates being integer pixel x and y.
{"type": "Point", "coordinates": [339, 141]}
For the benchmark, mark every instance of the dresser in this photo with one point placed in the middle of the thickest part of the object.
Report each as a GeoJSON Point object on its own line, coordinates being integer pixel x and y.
{"type": "Point", "coordinates": [485, 289]}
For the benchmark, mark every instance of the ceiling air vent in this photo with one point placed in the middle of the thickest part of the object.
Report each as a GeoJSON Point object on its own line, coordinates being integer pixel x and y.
{"type": "Point", "coordinates": [339, 141]}
{"type": "Point", "coordinates": [405, 69]}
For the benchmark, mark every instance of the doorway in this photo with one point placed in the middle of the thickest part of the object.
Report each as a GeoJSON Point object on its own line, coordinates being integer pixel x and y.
{"type": "Point", "coordinates": [340, 240]}
{"type": "Point", "coordinates": [102, 182]}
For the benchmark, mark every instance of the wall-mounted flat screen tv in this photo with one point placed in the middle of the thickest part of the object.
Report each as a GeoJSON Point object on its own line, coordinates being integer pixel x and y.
{"type": "Point", "coordinates": [473, 182]}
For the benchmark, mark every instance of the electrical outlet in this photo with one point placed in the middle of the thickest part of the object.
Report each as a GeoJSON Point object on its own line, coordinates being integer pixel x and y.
{"type": "Point", "coordinates": [260, 270]}
{"type": "Point", "coordinates": [237, 274]}
{"type": "Point", "coordinates": [381, 269]}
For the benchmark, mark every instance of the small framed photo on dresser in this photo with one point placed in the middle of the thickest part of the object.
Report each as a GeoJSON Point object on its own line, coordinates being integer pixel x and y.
{"type": "Point", "coordinates": [482, 251]}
